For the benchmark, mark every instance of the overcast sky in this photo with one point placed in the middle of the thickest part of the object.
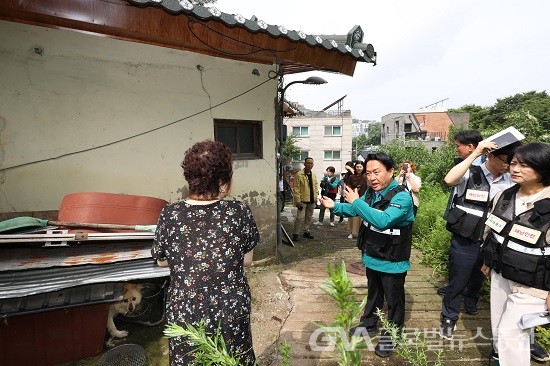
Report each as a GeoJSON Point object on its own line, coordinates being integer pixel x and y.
{"type": "Point", "coordinates": [469, 51]}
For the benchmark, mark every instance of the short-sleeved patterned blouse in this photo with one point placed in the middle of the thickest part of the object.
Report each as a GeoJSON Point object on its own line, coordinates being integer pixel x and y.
{"type": "Point", "coordinates": [205, 247]}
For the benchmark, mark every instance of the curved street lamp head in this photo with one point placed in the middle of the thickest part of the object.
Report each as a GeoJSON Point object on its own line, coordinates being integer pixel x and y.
{"type": "Point", "coordinates": [315, 80]}
{"type": "Point", "coordinates": [312, 80]}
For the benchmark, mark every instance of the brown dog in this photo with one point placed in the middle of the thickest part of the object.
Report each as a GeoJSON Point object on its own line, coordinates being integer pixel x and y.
{"type": "Point", "coordinates": [129, 303]}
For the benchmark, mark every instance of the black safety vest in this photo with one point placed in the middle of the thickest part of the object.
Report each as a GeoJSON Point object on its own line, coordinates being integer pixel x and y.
{"type": "Point", "coordinates": [467, 214]}
{"type": "Point", "coordinates": [393, 244]}
{"type": "Point", "coordinates": [518, 246]}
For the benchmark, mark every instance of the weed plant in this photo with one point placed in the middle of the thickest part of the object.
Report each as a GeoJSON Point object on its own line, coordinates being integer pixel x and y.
{"type": "Point", "coordinates": [413, 350]}
{"type": "Point", "coordinates": [210, 348]}
{"type": "Point", "coordinates": [285, 353]}
{"type": "Point", "coordinates": [340, 288]}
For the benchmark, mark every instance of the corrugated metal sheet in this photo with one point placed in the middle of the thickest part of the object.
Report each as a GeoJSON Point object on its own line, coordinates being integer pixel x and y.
{"type": "Point", "coordinates": [76, 296]}
{"type": "Point", "coordinates": [31, 282]}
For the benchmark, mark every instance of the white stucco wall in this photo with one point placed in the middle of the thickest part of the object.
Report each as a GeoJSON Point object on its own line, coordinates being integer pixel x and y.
{"type": "Point", "coordinates": [84, 91]}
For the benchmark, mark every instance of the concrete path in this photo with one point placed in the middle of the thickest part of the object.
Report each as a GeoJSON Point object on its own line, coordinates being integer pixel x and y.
{"type": "Point", "coordinates": [305, 271]}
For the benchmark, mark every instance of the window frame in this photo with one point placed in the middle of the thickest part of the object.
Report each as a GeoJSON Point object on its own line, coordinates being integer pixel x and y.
{"type": "Point", "coordinates": [332, 130]}
{"type": "Point", "coordinates": [302, 157]}
{"type": "Point", "coordinates": [238, 124]}
{"type": "Point", "coordinates": [300, 127]}
{"type": "Point", "coordinates": [332, 155]}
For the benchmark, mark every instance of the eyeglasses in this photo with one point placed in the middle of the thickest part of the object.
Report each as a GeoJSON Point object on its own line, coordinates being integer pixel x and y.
{"type": "Point", "coordinates": [501, 159]}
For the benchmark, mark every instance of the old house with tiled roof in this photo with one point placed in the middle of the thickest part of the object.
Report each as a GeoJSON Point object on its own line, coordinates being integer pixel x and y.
{"type": "Point", "coordinates": [105, 97]}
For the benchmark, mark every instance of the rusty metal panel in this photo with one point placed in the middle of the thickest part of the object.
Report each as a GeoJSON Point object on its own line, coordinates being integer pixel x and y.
{"type": "Point", "coordinates": [27, 258]}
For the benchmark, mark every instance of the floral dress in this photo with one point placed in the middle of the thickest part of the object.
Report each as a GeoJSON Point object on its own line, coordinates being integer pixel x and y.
{"type": "Point", "coordinates": [205, 247]}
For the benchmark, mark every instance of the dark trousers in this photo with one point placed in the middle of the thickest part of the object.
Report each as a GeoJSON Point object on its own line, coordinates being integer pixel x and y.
{"type": "Point", "coordinates": [465, 277]}
{"type": "Point", "coordinates": [342, 200]}
{"type": "Point", "coordinates": [390, 286]}
{"type": "Point", "coordinates": [322, 209]}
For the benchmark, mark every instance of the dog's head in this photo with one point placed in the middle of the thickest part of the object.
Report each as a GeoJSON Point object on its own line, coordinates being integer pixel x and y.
{"type": "Point", "coordinates": [132, 297]}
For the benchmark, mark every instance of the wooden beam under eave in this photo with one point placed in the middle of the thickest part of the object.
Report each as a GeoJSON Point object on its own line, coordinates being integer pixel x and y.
{"type": "Point", "coordinates": [122, 20]}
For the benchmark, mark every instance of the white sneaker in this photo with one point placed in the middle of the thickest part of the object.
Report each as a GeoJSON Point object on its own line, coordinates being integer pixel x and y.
{"type": "Point", "coordinates": [350, 236]}
{"type": "Point", "coordinates": [331, 224]}
{"type": "Point", "coordinates": [318, 223]}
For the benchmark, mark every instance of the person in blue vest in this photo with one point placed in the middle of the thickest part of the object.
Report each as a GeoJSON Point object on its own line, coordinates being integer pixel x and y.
{"type": "Point", "coordinates": [475, 186]}
{"type": "Point", "coordinates": [385, 239]}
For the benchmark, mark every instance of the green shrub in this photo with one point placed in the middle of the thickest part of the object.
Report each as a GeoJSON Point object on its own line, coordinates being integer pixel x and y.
{"type": "Point", "coordinates": [429, 233]}
{"type": "Point", "coordinates": [431, 166]}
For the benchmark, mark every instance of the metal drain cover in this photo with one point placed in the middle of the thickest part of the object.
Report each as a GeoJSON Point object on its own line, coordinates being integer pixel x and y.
{"type": "Point", "coordinates": [124, 355]}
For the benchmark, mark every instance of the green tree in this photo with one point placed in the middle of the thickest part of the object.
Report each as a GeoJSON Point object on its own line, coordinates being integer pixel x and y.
{"type": "Point", "coordinates": [290, 149]}
{"type": "Point", "coordinates": [374, 134]}
{"type": "Point", "coordinates": [479, 116]}
{"type": "Point", "coordinates": [527, 124]}
{"type": "Point", "coordinates": [359, 143]}
{"type": "Point", "coordinates": [536, 103]}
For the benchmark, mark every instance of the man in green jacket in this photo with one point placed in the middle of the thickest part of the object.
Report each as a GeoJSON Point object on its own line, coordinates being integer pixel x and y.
{"type": "Point", "coordinates": [385, 240]}
{"type": "Point", "coordinates": [305, 196]}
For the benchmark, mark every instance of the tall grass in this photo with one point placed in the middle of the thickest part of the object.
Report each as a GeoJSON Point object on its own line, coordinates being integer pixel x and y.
{"type": "Point", "coordinates": [429, 232]}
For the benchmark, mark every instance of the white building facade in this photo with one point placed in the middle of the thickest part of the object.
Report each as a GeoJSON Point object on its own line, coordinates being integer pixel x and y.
{"type": "Point", "coordinates": [325, 137]}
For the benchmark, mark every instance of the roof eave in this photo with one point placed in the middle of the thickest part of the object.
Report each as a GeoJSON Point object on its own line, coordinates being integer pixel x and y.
{"type": "Point", "coordinates": [168, 24]}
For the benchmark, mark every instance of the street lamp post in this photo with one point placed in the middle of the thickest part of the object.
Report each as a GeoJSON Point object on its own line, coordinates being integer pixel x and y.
{"type": "Point", "coordinates": [312, 80]}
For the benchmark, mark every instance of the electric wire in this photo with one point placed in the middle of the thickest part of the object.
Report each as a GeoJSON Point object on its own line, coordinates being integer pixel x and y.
{"type": "Point", "coordinates": [135, 135]}
{"type": "Point", "coordinates": [260, 49]}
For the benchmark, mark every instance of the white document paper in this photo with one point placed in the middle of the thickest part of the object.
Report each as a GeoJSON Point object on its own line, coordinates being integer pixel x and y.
{"type": "Point", "coordinates": [506, 137]}
{"type": "Point", "coordinates": [532, 320]}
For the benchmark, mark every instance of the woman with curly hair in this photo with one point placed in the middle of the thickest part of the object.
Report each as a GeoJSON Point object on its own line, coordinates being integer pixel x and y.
{"type": "Point", "coordinates": [206, 242]}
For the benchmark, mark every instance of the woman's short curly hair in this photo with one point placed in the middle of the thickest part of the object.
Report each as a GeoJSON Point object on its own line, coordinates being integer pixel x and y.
{"type": "Point", "coordinates": [207, 165]}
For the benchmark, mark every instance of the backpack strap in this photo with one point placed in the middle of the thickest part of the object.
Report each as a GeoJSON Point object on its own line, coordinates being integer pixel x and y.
{"type": "Point", "coordinates": [392, 192]}
{"type": "Point", "coordinates": [508, 194]}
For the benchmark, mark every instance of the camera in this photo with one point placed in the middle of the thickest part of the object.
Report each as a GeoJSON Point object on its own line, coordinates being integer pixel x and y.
{"type": "Point", "coordinates": [406, 167]}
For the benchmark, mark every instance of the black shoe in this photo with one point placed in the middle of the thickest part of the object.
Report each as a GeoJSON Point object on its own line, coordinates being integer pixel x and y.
{"type": "Point", "coordinates": [441, 291]}
{"type": "Point", "coordinates": [447, 328]}
{"type": "Point", "coordinates": [384, 348]}
{"type": "Point", "coordinates": [359, 331]}
{"type": "Point", "coordinates": [470, 304]}
{"type": "Point", "coordinates": [295, 237]}
{"type": "Point", "coordinates": [308, 235]}
{"type": "Point", "coordinates": [538, 353]}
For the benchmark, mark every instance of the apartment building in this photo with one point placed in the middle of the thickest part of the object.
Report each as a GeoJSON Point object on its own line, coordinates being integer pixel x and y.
{"type": "Point", "coordinates": [324, 136]}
